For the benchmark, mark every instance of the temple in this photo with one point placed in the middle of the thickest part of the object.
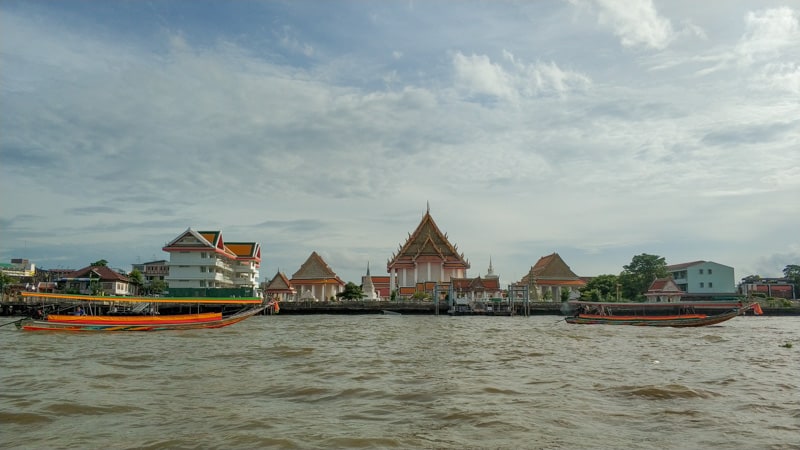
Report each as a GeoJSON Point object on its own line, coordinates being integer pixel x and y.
{"type": "Point", "coordinates": [549, 277]}
{"type": "Point", "coordinates": [426, 258]}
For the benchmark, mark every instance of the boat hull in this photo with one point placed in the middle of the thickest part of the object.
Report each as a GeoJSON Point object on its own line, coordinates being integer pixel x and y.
{"type": "Point", "coordinates": [135, 323]}
{"type": "Point", "coordinates": [687, 320]}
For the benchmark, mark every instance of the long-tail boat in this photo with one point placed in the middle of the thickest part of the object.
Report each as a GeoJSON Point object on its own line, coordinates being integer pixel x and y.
{"type": "Point", "coordinates": [106, 321]}
{"type": "Point", "coordinates": [676, 314]}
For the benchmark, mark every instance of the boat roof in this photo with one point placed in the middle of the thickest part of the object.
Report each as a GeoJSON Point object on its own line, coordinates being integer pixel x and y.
{"type": "Point", "coordinates": [120, 299]}
{"type": "Point", "coordinates": [657, 304]}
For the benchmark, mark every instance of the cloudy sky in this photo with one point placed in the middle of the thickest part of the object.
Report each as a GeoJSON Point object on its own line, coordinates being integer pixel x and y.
{"type": "Point", "coordinates": [598, 129]}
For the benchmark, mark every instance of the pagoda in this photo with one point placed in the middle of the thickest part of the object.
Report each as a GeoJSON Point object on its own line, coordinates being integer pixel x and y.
{"type": "Point", "coordinates": [425, 259]}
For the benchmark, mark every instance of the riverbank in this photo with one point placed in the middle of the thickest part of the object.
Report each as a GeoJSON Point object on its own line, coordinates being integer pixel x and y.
{"type": "Point", "coordinates": [378, 307]}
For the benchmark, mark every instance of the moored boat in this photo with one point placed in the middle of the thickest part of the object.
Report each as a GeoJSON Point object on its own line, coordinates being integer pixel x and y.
{"type": "Point", "coordinates": [677, 314]}
{"type": "Point", "coordinates": [143, 322]}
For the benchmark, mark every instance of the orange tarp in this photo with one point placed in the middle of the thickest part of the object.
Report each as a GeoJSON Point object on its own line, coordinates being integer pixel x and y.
{"type": "Point", "coordinates": [135, 320]}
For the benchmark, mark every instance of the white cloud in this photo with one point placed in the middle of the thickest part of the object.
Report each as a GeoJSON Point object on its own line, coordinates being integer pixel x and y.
{"type": "Point", "coordinates": [636, 22]}
{"type": "Point", "coordinates": [768, 33]}
{"type": "Point", "coordinates": [478, 75]}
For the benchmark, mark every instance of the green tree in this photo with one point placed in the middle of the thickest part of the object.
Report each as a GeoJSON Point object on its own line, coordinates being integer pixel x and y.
{"type": "Point", "coordinates": [157, 286]}
{"type": "Point", "coordinates": [101, 262]}
{"type": "Point", "coordinates": [137, 279]}
{"type": "Point", "coordinates": [605, 287]}
{"type": "Point", "coordinates": [351, 291]}
{"type": "Point", "coordinates": [792, 272]}
{"type": "Point", "coordinates": [637, 276]}
{"type": "Point", "coordinates": [5, 281]}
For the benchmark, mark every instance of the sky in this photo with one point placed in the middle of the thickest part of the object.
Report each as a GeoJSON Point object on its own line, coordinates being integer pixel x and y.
{"type": "Point", "coordinates": [596, 129]}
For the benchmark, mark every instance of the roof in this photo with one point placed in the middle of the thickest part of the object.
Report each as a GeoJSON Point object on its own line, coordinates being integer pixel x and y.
{"type": "Point", "coordinates": [475, 284]}
{"type": "Point", "coordinates": [552, 270]}
{"type": "Point", "coordinates": [103, 273]}
{"type": "Point", "coordinates": [428, 240]}
{"type": "Point", "coordinates": [315, 268]}
{"type": "Point", "coordinates": [664, 285]}
{"type": "Point", "coordinates": [279, 283]}
{"type": "Point", "coordinates": [213, 241]}
{"type": "Point", "coordinates": [245, 250]}
{"type": "Point", "coordinates": [684, 265]}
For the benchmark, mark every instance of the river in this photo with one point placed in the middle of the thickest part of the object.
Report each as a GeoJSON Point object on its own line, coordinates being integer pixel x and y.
{"type": "Point", "coordinates": [311, 382]}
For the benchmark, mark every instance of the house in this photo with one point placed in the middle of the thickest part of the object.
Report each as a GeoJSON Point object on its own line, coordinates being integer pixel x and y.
{"type": "Point", "coordinates": [425, 260]}
{"type": "Point", "coordinates": [316, 281]}
{"type": "Point", "coordinates": [96, 280]}
{"type": "Point", "coordinates": [202, 264]}
{"type": "Point", "coordinates": [280, 288]}
{"type": "Point", "coordinates": [663, 290]}
{"type": "Point", "coordinates": [701, 279]}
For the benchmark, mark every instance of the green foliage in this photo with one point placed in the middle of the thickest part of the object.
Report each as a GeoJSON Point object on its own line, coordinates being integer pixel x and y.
{"type": "Point", "coordinates": [136, 277]}
{"type": "Point", "coordinates": [101, 262]}
{"type": "Point", "coordinates": [420, 295]}
{"type": "Point", "coordinates": [351, 291]}
{"type": "Point", "coordinates": [157, 286]}
{"type": "Point", "coordinates": [600, 288]}
{"type": "Point", "coordinates": [792, 272]}
{"type": "Point", "coordinates": [565, 295]}
{"type": "Point", "coordinates": [637, 276]}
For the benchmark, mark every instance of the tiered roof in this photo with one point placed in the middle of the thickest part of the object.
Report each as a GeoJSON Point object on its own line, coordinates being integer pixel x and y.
{"type": "Point", "coordinates": [279, 285]}
{"type": "Point", "coordinates": [191, 240]}
{"type": "Point", "coordinates": [428, 240]}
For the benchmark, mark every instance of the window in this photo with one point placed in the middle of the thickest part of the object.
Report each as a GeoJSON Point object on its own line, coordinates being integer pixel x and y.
{"type": "Point", "coordinates": [701, 283]}
{"type": "Point", "coordinates": [701, 271]}
{"type": "Point", "coordinates": [203, 255]}
{"type": "Point", "coordinates": [710, 284]}
{"type": "Point", "coordinates": [709, 272]}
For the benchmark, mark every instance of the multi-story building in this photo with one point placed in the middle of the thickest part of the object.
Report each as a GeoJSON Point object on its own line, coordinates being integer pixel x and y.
{"type": "Point", "coordinates": [201, 263]}
{"type": "Point", "coordinates": [703, 278]}
{"type": "Point", "coordinates": [19, 268]}
{"type": "Point", "coordinates": [153, 270]}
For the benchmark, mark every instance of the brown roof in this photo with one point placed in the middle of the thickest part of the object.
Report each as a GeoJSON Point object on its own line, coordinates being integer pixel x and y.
{"type": "Point", "coordinates": [664, 285]}
{"type": "Point", "coordinates": [280, 283]}
{"type": "Point", "coordinates": [552, 270]}
{"type": "Point", "coordinates": [428, 240]}
{"type": "Point", "coordinates": [315, 268]}
{"type": "Point", "coordinates": [103, 273]}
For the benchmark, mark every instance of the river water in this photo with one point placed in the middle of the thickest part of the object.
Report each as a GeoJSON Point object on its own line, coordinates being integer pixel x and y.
{"type": "Point", "coordinates": [406, 382]}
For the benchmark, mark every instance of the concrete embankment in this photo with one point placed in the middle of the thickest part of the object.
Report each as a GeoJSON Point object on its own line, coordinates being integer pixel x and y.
{"type": "Point", "coordinates": [373, 307]}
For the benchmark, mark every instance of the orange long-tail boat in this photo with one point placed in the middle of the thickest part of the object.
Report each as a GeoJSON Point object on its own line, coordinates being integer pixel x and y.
{"type": "Point", "coordinates": [80, 321]}
{"type": "Point", "coordinates": [676, 314]}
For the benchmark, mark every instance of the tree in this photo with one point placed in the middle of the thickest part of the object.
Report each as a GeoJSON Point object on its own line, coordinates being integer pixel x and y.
{"type": "Point", "coordinates": [351, 291]}
{"type": "Point", "coordinates": [5, 281]}
{"type": "Point", "coordinates": [792, 272]}
{"type": "Point", "coordinates": [137, 279]}
{"type": "Point", "coordinates": [604, 285]}
{"type": "Point", "coordinates": [101, 262]}
{"type": "Point", "coordinates": [637, 276]}
{"type": "Point", "coordinates": [157, 286]}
